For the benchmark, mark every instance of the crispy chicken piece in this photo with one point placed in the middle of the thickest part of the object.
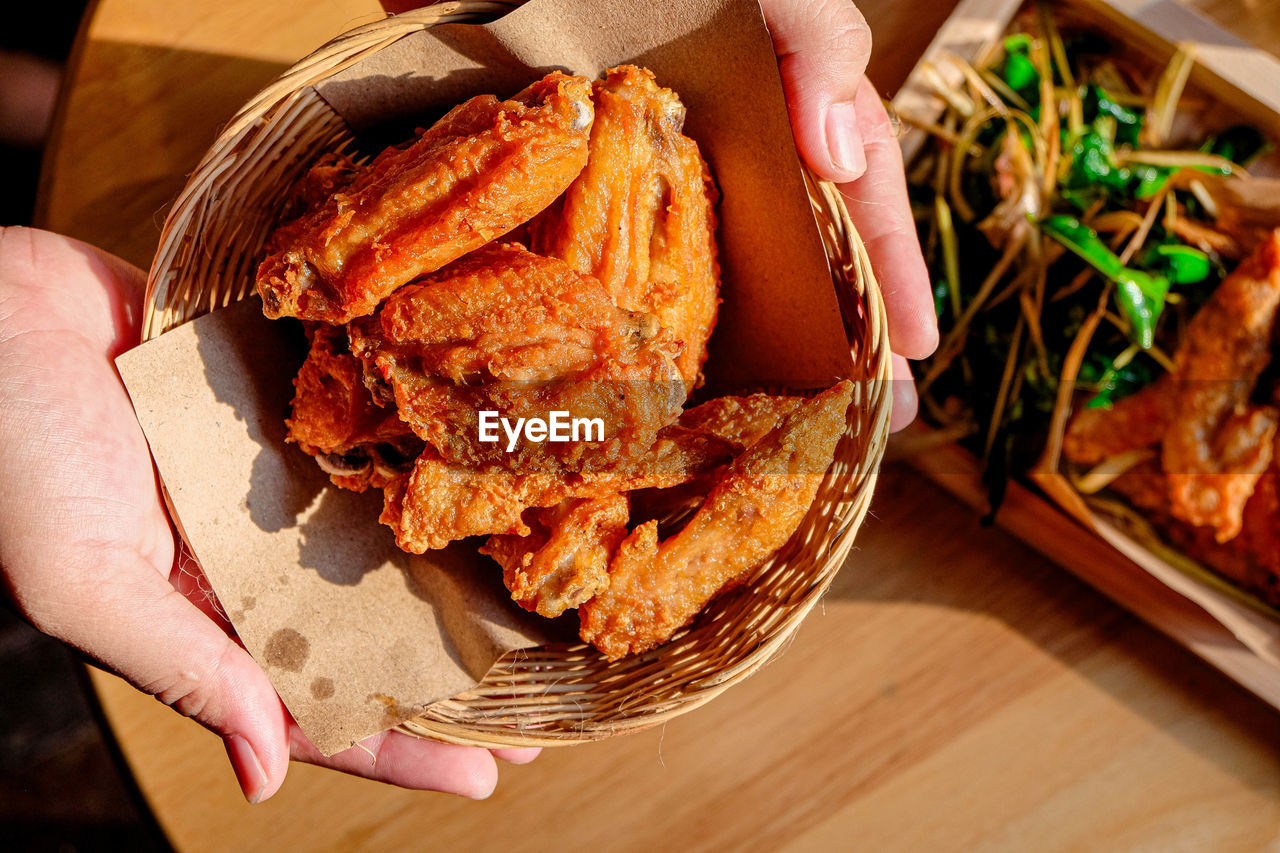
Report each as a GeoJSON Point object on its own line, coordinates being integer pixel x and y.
{"type": "Point", "coordinates": [508, 331]}
{"type": "Point", "coordinates": [480, 171]}
{"type": "Point", "coordinates": [563, 561]}
{"type": "Point", "coordinates": [356, 442]}
{"type": "Point", "coordinates": [1134, 422]}
{"type": "Point", "coordinates": [738, 421]}
{"type": "Point", "coordinates": [1218, 444]}
{"type": "Point", "coordinates": [741, 421]}
{"type": "Point", "coordinates": [442, 501]}
{"type": "Point", "coordinates": [655, 587]}
{"type": "Point", "coordinates": [641, 215]}
{"type": "Point", "coordinates": [331, 173]}
{"type": "Point", "coordinates": [1251, 559]}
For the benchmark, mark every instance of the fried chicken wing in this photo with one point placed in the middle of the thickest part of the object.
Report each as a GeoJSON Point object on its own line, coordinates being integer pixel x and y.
{"type": "Point", "coordinates": [1251, 559]}
{"type": "Point", "coordinates": [641, 215]}
{"type": "Point", "coordinates": [655, 588]}
{"type": "Point", "coordinates": [356, 442]}
{"type": "Point", "coordinates": [442, 501]}
{"type": "Point", "coordinates": [508, 331]}
{"type": "Point", "coordinates": [563, 561]}
{"type": "Point", "coordinates": [331, 173]}
{"type": "Point", "coordinates": [1218, 443]}
{"type": "Point", "coordinates": [741, 421]}
{"type": "Point", "coordinates": [1137, 421]}
{"type": "Point", "coordinates": [483, 169]}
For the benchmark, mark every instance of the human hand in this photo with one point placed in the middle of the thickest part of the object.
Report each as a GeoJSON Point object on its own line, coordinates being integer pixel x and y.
{"type": "Point", "coordinates": [845, 136]}
{"type": "Point", "coordinates": [87, 553]}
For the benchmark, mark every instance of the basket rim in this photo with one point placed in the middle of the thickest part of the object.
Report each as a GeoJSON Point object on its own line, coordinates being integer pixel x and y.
{"type": "Point", "coordinates": [861, 304]}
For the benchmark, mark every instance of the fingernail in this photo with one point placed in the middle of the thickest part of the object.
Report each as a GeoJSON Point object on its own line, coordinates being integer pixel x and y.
{"type": "Point", "coordinates": [844, 141]}
{"type": "Point", "coordinates": [249, 772]}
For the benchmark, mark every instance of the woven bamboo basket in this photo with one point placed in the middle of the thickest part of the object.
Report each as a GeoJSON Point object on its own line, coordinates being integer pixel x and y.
{"type": "Point", "coordinates": [565, 693]}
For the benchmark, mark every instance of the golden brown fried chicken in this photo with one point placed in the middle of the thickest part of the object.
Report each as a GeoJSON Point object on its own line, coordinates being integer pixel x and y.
{"type": "Point", "coordinates": [564, 560]}
{"type": "Point", "coordinates": [331, 173]}
{"type": "Point", "coordinates": [442, 501]}
{"type": "Point", "coordinates": [480, 171]}
{"type": "Point", "coordinates": [1133, 422]}
{"type": "Point", "coordinates": [507, 331]}
{"type": "Point", "coordinates": [356, 442]}
{"type": "Point", "coordinates": [641, 215]}
{"type": "Point", "coordinates": [1251, 558]}
{"type": "Point", "coordinates": [655, 587]}
{"type": "Point", "coordinates": [1214, 442]}
{"type": "Point", "coordinates": [741, 421]}
{"type": "Point", "coordinates": [1218, 443]}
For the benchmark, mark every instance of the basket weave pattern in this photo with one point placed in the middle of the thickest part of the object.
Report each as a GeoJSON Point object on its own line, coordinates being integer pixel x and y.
{"type": "Point", "coordinates": [557, 694]}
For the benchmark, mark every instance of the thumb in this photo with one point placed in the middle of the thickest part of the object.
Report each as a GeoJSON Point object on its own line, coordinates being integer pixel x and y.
{"type": "Point", "coordinates": [146, 631]}
{"type": "Point", "coordinates": [823, 47]}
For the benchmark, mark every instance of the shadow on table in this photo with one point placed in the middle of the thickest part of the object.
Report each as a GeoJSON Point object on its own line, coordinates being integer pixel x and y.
{"type": "Point", "coordinates": [954, 562]}
{"type": "Point", "coordinates": [62, 785]}
{"type": "Point", "coordinates": [127, 208]}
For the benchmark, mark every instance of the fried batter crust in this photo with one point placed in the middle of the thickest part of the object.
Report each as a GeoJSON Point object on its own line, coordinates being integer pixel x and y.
{"type": "Point", "coordinates": [508, 331]}
{"type": "Point", "coordinates": [1251, 559]}
{"type": "Point", "coordinates": [1218, 444]}
{"type": "Point", "coordinates": [641, 215]}
{"type": "Point", "coordinates": [1134, 422]}
{"type": "Point", "coordinates": [655, 587]}
{"type": "Point", "coordinates": [334, 419]}
{"type": "Point", "coordinates": [440, 501]}
{"type": "Point", "coordinates": [480, 171]}
{"type": "Point", "coordinates": [564, 560]}
{"type": "Point", "coordinates": [741, 421]}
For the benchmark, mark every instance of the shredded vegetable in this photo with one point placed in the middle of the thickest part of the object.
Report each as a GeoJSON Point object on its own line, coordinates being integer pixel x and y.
{"type": "Point", "coordinates": [1069, 229]}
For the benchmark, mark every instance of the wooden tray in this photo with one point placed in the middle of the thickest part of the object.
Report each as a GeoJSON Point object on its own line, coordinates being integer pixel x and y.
{"type": "Point", "coordinates": [1246, 82]}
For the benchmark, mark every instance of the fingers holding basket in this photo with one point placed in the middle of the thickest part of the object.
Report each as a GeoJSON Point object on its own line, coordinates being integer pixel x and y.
{"type": "Point", "coordinates": [408, 762]}
{"type": "Point", "coordinates": [881, 211]}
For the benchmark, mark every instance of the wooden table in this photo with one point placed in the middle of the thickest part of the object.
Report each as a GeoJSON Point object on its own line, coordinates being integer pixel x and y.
{"type": "Point", "coordinates": [955, 690]}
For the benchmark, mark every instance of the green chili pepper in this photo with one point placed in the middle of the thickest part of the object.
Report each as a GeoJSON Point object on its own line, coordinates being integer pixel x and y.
{"type": "Point", "coordinates": [1149, 180]}
{"type": "Point", "coordinates": [1093, 165]}
{"type": "Point", "coordinates": [1128, 122]}
{"type": "Point", "coordinates": [1019, 71]}
{"type": "Point", "coordinates": [1181, 264]}
{"type": "Point", "coordinates": [1112, 381]}
{"type": "Point", "coordinates": [1093, 160]}
{"type": "Point", "coordinates": [1140, 295]}
{"type": "Point", "coordinates": [1018, 43]}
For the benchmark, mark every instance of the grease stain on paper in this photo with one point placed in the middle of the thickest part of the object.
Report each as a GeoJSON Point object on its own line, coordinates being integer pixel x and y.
{"type": "Point", "coordinates": [287, 649]}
